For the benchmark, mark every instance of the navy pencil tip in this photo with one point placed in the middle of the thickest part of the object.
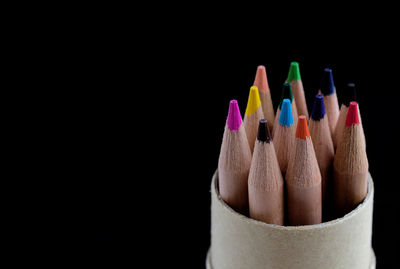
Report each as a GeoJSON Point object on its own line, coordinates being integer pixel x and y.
{"type": "Point", "coordinates": [327, 85]}
{"type": "Point", "coordinates": [318, 110]}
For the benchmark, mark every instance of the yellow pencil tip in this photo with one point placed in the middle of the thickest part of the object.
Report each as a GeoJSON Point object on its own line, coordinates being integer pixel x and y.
{"type": "Point", "coordinates": [254, 101]}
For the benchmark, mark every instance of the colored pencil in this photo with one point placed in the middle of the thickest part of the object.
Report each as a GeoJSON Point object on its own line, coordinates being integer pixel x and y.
{"type": "Point", "coordinates": [297, 87]}
{"type": "Point", "coordinates": [349, 95]}
{"type": "Point", "coordinates": [261, 82]}
{"type": "Point", "coordinates": [252, 116]}
{"type": "Point", "coordinates": [284, 135]}
{"type": "Point", "coordinates": [323, 145]}
{"type": "Point", "coordinates": [286, 94]}
{"type": "Point", "coordinates": [350, 165]}
{"type": "Point", "coordinates": [303, 180]}
{"type": "Point", "coordinates": [266, 196]}
{"type": "Point", "coordinates": [234, 162]}
{"type": "Point", "coordinates": [330, 98]}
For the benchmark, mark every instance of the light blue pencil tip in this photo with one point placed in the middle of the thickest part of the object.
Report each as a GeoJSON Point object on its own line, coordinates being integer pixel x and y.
{"type": "Point", "coordinates": [286, 116]}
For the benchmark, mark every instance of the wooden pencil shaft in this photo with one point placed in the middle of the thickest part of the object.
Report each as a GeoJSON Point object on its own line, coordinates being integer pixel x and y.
{"type": "Point", "coordinates": [284, 145]}
{"type": "Point", "coordinates": [349, 190]}
{"type": "Point", "coordinates": [268, 109]}
{"type": "Point", "coordinates": [350, 170]}
{"type": "Point", "coordinates": [303, 180]}
{"type": "Point", "coordinates": [266, 197]}
{"type": "Point", "coordinates": [324, 151]}
{"type": "Point", "coordinates": [233, 168]}
{"type": "Point", "coordinates": [298, 93]}
{"type": "Point", "coordinates": [332, 110]}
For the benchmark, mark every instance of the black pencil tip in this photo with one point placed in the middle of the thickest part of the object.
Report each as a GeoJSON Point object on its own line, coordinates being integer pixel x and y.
{"type": "Point", "coordinates": [263, 132]}
{"type": "Point", "coordinates": [349, 94]}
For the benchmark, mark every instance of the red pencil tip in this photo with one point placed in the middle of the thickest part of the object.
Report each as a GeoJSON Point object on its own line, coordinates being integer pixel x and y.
{"type": "Point", "coordinates": [302, 128]}
{"type": "Point", "coordinates": [352, 115]}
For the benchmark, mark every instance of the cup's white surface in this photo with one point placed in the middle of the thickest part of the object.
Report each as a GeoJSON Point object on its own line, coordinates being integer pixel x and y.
{"type": "Point", "coordinates": [238, 242]}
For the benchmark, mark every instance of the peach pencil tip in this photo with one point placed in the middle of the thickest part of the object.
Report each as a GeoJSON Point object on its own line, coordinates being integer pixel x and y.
{"type": "Point", "coordinates": [261, 79]}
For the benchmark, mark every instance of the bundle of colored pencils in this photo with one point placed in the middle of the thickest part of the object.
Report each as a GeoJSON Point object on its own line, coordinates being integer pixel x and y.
{"type": "Point", "coordinates": [289, 168]}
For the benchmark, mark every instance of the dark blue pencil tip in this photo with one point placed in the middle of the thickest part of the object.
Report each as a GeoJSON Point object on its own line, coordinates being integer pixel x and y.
{"type": "Point", "coordinates": [327, 86]}
{"type": "Point", "coordinates": [318, 110]}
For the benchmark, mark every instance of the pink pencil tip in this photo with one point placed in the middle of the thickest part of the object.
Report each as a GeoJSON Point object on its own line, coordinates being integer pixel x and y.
{"type": "Point", "coordinates": [352, 115]}
{"type": "Point", "coordinates": [234, 119]}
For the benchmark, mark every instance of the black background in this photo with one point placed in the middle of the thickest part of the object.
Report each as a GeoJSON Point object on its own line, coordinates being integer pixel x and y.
{"type": "Point", "coordinates": [155, 140]}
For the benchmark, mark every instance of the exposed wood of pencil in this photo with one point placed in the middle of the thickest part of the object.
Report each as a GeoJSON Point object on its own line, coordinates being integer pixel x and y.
{"type": "Point", "coordinates": [332, 110]}
{"type": "Point", "coordinates": [303, 180]}
{"type": "Point", "coordinates": [340, 124]}
{"type": "Point", "coordinates": [278, 113]}
{"type": "Point", "coordinates": [350, 170]}
{"type": "Point", "coordinates": [233, 169]}
{"type": "Point", "coordinates": [284, 144]}
{"type": "Point", "coordinates": [261, 82]}
{"type": "Point", "coordinates": [324, 151]}
{"type": "Point", "coordinates": [298, 93]}
{"type": "Point", "coordinates": [266, 197]}
{"type": "Point", "coordinates": [251, 123]}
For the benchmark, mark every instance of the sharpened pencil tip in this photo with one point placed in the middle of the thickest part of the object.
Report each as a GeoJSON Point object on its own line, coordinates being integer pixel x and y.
{"type": "Point", "coordinates": [302, 131]}
{"type": "Point", "coordinates": [254, 101]}
{"type": "Point", "coordinates": [352, 115]}
{"type": "Point", "coordinates": [349, 94]}
{"type": "Point", "coordinates": [286, 116]}
{"type": "Point", "coordinates": [234, 119]}
{"type": "Point", "coordinates": [261, 80]}
{"type": "Point", "coordinates": [294, 72]}
{"type": "Point", "coordinates": [263, 132]}
{"type": "Point", "coordinates": [286, 93]}
{"type": "Point", "coordinates": [327, 85]}
{"type": "Point", "coordinates": [318, 110]}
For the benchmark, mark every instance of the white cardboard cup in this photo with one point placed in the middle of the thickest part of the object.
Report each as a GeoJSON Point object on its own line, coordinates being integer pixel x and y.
{"type": "Point", "coordinates": [238, 242]}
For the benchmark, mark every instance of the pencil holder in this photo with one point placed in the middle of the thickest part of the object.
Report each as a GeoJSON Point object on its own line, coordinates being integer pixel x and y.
{"type": "Point", "coordinates": [238, 242]}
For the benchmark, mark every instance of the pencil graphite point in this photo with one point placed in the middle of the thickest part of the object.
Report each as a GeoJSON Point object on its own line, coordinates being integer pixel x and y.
{"type": "Point", "coordinates": [263, 132]}
{"type": "Point", "coordinates": [318, 111]}
{"type": "Point", "coordinates": [286, 93]}
{"type": "Point", "coordinates": [294, 72]}
{"type": "Point", "coordinates": [254, 101]}
{"type": "Point", "coordinates": [286, 116]}
{"type": "Point", "coordinates": [234, 119]}
{"type": "Point", "coordinates": [349, 94]}
{"type": "Point", "coordinates": [352, 115]}
{"type": "Point", "coordinates": [327, 86]}
{"type": "Point", "coordinates": [302, 128]}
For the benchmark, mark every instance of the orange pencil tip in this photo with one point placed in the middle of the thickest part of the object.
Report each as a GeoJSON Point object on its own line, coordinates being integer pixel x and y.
{"type": "Point", "coordinates": [302, 131]}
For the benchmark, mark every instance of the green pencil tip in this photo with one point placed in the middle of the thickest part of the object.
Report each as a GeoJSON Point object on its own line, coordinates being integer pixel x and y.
{"type": "Point", "coordinates": [294, 72]}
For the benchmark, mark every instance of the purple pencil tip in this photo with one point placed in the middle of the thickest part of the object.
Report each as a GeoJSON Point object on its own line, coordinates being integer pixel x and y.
{"type": "Point", "coordinates": [234, 119]}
